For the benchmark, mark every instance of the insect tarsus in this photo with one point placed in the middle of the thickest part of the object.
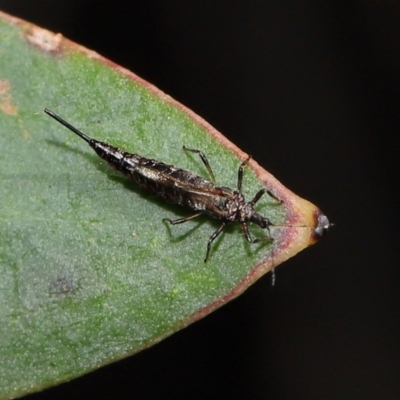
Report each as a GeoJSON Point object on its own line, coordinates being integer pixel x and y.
{"type": "Point", "coordinates": [182, 187]}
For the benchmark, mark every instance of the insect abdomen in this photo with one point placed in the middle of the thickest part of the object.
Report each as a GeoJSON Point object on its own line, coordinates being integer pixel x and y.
{"type": "Point", "coordinates": [171, 183]}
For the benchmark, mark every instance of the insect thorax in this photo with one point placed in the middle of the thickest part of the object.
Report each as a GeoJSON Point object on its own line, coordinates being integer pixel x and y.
{"type": "Point", "coordinates": [236, 208]}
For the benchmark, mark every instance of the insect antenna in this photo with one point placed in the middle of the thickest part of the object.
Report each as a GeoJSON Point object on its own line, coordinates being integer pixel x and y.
{"type": "Point", "coordinates": [69, 126]}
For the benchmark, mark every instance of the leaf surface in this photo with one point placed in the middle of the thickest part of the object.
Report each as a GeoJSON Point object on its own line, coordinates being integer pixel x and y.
{"type": "Point", "coordinates": [89, 273]}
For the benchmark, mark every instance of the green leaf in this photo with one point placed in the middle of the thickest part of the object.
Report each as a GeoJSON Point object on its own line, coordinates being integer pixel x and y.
{"type": "Point", "coordinates": [89, 273]}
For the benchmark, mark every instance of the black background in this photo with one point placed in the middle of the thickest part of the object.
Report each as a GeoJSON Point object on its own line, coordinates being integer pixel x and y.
{"type": "Point", "coordinates": [312, 90]}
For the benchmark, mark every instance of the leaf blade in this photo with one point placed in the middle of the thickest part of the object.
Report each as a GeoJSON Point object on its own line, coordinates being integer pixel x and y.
{"type": "Point", "coordinates": [90, 273]}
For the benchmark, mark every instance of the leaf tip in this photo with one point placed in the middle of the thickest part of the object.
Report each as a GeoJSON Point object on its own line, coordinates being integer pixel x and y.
{"type": "Point", "coordinates": [321, 226]}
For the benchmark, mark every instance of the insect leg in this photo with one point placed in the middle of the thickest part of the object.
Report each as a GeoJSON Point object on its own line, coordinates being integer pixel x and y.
{"type": "Point", "coordinates": [250, 239]}
{"type": "Point", "coordinates": [205, 161]}
{"type": "Point", "coordinates": [240, 173]}
{"type": "Point", "coordinates": [212, 238]}
{"type": "Point", "coordinates": [260, 193]}
{"type": "Point", "coordinates": [180, 220]}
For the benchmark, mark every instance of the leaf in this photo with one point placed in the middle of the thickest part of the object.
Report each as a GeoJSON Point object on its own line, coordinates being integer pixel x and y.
{"type": "Point", "coordinates": [89, 273]}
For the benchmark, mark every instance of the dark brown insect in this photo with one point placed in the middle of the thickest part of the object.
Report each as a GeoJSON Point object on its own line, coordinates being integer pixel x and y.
{"type": "Point", "coordinates": [182, 187]}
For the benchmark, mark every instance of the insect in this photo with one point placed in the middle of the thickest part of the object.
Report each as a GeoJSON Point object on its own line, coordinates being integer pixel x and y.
{"type": "Point", "coordinates": [178, 186]}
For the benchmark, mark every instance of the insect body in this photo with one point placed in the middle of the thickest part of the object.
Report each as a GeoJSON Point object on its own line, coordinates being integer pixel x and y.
{"type": "Point", "coordinates": [182, 187]}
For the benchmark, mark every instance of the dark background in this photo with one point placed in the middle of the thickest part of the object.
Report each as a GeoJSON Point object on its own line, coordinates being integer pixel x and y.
{"type": "Point", "coordinates": [312, 90]}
